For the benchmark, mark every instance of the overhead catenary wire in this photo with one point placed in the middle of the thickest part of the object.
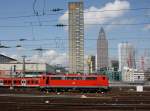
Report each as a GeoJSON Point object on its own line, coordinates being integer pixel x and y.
{"type": "Point", "coordinates": [92, 18]}
{"type": "Point", "coordinates": [46, 14]}
{"type": "Point", "coordinates": [32, 31]}
{"type": "Point", "coordinates": [36, 13]}
{"type": "Point", "coordinates": [66, 39]}
{"type": "Point", "coordinates": [85, 24]}
{"type": "Point", "coordinates": [67, 47]}
{"type": "Point", "coordinates": [44, 7]}
{"type": "Point", "coordinates": [34, 3]}
{"type": "Point", "coordinates": [64, 25]}
{"type": "Point", "coordinates": [129, 9]}
{"type": "Point", "coordinates": [33, 15]}
{"type": "Point", "coordinates": [57, 13]}
{"type": "Point", "coordinates": [26, 16]}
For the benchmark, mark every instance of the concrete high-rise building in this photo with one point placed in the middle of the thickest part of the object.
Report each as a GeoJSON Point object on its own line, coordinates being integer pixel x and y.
{"type": "Point", "coordinates": [91, 64]}
{"type": "Point", "coordinates": [76, 37]}
{"type": "Point", "coordinates": [126, 56]}
{"type": "Point", "coordinates": [115, 65]}
{"type": "Point", "coordinates": [102, 50]}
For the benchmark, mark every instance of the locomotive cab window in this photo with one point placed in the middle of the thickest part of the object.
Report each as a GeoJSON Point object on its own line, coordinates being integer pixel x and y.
{"type": "Point", "coordinates": [103, 78]}
{"type": "Point", "coordinates": [9, 81]}
{"type": "Point", "coordinates": [15, 81]}
{"type": "Point", "coordinates": [5, 81]}
{"type": "Point", "coordinates": [56, 78]}
{"type": "Point", "coordinates": [28, 82]}
{"type": "Point", "coordinates": [73, 78]}
{"type": "Point", "coordinates": [36, 82]}
{"type": "Point", "coordinates": [90, 78]}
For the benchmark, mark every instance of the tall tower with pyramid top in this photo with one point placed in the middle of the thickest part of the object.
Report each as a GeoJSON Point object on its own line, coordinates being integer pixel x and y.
{"type": "Point", "coordinates": [102, 50]}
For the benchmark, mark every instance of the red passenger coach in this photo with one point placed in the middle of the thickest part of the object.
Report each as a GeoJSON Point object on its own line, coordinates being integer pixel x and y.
{"type": "Point", "coordinates": [20, 82]}
{"type": "Point", "coordinates": [60, 82]}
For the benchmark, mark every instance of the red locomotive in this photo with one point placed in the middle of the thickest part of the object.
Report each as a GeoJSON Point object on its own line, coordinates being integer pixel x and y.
{"type": "Point", "coordinates": [60, 82]}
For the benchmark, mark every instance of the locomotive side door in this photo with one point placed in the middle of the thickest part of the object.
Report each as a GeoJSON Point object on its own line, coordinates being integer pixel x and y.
{"type": "Point", "coordinates": [47, 81]}
{"type": "Point", "coordinates": [23, 82]}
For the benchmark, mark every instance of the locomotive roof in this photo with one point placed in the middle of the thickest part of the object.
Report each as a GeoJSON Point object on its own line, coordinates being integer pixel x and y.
{"type": "Point", "coordinates": [75, 75]}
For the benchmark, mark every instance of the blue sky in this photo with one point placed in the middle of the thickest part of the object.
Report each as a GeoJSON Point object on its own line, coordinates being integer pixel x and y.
{"type": "Point", "coordinates": [139, 35]}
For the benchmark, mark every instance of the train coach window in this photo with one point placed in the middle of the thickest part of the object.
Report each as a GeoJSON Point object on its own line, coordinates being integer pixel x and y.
{"type": "Point", "coordinates": [56, 78]}
{"type": "Point", "coordinates": [28, 81]}
{"type": "Point", "coordinates": [5, 81]}
{"type": "Point", "coordinates": [15, 81]}
{"type": "Point", "coordinates": [9, 81]}
{"type": "Point", "coordinates": [36, 82]}
{"type": "Point", "coordinates": [90, 78]}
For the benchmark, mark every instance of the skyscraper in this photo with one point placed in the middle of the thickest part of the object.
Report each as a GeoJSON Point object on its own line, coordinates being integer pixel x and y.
{"type": "Point", "coordinates": [91, 64]}
{"type": "Point", "coordinates": [102, 50]}
{"type": "Point", "coordinates": [126, 56]}
{"type": "Point", "coordinates": [76, 37]}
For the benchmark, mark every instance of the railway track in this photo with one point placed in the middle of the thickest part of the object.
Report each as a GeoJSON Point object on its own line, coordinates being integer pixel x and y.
{"type": "Point", "coordinates": [73, 107]}
{"type": "Point", "coordinates": [73, 104]}
{"type": "Point", "coordinates": [31, 101]}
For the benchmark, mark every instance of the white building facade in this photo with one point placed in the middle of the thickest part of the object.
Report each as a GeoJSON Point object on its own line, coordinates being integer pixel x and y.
{"type": "Point", "coordinates": [17, 68]}
{"type": "Point", "coordinates": [126, 56]}
{"type": "Point", "coordinates": [132, 75]}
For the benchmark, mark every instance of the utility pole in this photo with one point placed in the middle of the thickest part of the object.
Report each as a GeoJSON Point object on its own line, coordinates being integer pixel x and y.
{"type": "Point", "coordinates": [23, 66]}
{"type": "Point", "coordinates": [11, 87]}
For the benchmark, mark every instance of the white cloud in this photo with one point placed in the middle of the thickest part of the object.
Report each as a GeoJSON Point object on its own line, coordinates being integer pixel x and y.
{"type": "Point", "coordinates": [147, 27]}
{"type": "Point", "coordinates": [64, 18]}
{"type": "Point", "coordinates": [95, 15]}
{"type": "Point", "coordinates": [123, 21]}
{"type": "Point", "coordinates": [51, 57]}
{"type": "Point", "coordinates": [17, 57]}
{"type": "Point", "coordinates": [20, 48]}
